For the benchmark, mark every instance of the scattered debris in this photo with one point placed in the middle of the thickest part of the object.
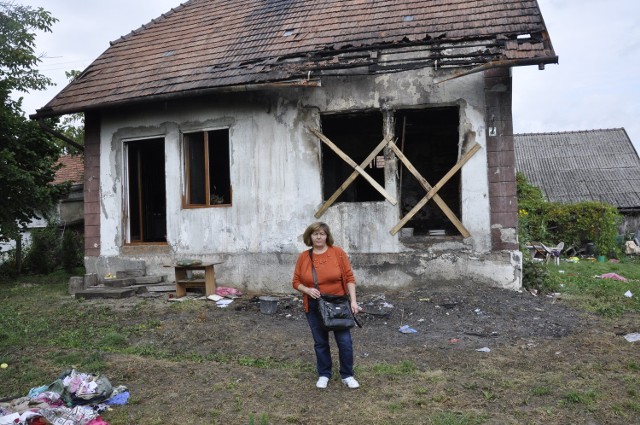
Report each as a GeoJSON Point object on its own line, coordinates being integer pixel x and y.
{"type": "Point", "coordinates": [484, 350]}
{"type": "Point", "coordinates": [223, 303]}
{"type": "Point", "coordinates": [227, 292]}
{"type": "Point", "coordinates": [612, 276]}
{"type": "Point", "coordinates": [406, 329]}
{"type": "Point", "coordinates": [628, 294]}
{"type": "Point", "coordinates": [73, 399]}
{"type": "Point", "coordinates": [453, 340]}
{"type": "Point", "coordinates": [634, 337]}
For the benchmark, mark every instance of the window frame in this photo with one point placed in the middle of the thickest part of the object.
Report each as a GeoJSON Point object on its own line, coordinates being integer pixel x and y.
{"type": "Point", "coordinates": [207, 169]}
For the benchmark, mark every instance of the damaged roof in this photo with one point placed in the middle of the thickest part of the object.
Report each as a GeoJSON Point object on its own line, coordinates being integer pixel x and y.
{"type": "Point", "coordinates": [577, 166]}
{"type": "Point", "coordinates": [204, 45]}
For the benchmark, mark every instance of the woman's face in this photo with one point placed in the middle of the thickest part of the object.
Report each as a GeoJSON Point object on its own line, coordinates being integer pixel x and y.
{"type": "Point", "coordinates": [319, 238]}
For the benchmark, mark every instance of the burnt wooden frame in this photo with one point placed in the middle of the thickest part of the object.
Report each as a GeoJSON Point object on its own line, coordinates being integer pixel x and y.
{"type": "Point", "coordinates": [432, 191]}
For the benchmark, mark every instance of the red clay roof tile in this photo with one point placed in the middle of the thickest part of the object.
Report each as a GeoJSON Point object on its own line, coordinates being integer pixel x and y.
{"type": "Point", "coordinates": [72, 169]}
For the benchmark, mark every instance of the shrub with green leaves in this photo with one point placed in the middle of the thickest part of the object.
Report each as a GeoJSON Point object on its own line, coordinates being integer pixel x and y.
{"type": "Point", "coordinates": [43, 255]}
{"type": "Point", "coordinates": [574, 224]}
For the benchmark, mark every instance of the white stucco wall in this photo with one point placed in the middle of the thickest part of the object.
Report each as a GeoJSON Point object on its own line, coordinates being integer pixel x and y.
{"type": "Point", "coordinates": [276, 178]}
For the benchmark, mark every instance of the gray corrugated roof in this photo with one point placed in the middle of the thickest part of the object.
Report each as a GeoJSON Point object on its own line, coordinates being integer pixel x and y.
{"type": "Point", "coordinates": [595, 165]}
{"type": "Point", "coordinates": [211, 44]}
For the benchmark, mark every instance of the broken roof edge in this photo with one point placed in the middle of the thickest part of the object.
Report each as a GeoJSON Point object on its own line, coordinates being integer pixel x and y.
{"type": "Point", "coordinates": [49, 113]}
{"type": "Point", "coordinates": [508, 63]}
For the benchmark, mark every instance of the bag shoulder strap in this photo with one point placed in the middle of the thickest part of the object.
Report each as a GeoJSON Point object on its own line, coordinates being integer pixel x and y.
{"type": "Point", "coordinates": [313, 270]}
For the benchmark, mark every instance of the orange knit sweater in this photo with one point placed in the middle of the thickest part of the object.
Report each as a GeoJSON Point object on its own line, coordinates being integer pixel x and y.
{"type": "Point", "coordinates": [332, 267]}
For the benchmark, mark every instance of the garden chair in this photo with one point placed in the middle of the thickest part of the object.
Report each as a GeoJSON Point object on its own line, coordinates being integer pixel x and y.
{"type": "Point", "coordinates": [553, 253]}
{"type": "Point", "coordinates": [537, 250]}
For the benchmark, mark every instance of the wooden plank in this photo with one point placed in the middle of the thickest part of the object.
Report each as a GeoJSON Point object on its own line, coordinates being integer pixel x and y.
{"type": "Point", "coordinates": [352, 177]}
{"type": "Point", "coordinates": [425, 184]}
{"type": "Point", "coordinates": [435, 189]}
{"type": "Point", "coordinates": [351, 162]}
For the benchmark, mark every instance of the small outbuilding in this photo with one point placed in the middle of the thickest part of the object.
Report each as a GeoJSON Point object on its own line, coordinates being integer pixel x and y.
{"type": "Point", "coordinates": [577, 166]}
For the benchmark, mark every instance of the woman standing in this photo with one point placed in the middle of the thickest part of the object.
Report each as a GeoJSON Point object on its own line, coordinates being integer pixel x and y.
{"type": "Point", "coordinates": [334, 274]}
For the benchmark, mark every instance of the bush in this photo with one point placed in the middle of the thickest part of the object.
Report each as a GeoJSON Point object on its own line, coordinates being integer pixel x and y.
{"type": "Point", "coordinates": [536, 277]}
{"type": "Point", "coordinates": [574, 224]}
{"type": "Point", "coordinates": [8, 265]}
{"type": "Point", "coordinates": [44, 253]}
{"type": "Point", "coordinates": [72, 250]}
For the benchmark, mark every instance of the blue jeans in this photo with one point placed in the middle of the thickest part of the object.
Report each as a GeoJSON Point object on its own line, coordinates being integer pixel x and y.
{"type": "Point", "coordinates": [321, 345]}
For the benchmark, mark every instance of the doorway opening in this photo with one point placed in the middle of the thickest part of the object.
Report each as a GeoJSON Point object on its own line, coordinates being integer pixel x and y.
{"type": "Point", "coordinates": [146, 212]}
{"type": "Point", "coordinates": [429, 139]}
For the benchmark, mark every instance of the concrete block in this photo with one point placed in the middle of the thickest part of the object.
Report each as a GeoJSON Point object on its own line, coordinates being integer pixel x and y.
{"type": "Point", "coordinates": [76, 283]}
{"type": "Point", "coordinates": [90, 279]}
{"type": "Point", "coordinates": [104, 292]}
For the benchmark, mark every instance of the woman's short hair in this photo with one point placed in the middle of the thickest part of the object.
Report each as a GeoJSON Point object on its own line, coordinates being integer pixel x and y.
{"type": "Point", "coordinates": [314, 227]}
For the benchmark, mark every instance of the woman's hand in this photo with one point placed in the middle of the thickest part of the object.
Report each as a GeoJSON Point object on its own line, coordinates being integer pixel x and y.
{"type": "Point", "coordinates": [355, 308]}
{"type": "Point", "coordinates": [311, 292]}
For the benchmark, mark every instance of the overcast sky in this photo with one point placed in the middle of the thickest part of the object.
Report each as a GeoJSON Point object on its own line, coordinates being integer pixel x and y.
{"type": "Point", "coordinates": [596, 85]}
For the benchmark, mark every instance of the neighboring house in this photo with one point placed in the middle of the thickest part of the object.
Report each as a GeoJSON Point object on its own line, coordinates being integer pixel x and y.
{"type": "Point", "coordinates": [220, 130]}
{"type": "Point", "coordinates": [70, 210]}
{"type": "Point", "coordinates": [576, 166]}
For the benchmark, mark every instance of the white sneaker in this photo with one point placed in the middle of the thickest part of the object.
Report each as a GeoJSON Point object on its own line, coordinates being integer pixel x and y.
{"type": "Point", "coordinates": [322, 382]}
{"type": "Point", "coordinates": [351, 382]}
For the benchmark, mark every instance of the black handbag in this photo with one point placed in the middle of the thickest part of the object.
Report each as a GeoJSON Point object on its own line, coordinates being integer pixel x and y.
{"type": "Point", "coordinates": [335, 310]}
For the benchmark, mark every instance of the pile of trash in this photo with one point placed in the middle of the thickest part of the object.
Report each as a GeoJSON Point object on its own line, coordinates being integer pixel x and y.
{"type": "Point", "coordinates": [73, 399]}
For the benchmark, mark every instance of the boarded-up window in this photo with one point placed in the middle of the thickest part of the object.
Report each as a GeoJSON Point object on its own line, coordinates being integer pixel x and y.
{"type": "Point", "coordinates": [356, 134]}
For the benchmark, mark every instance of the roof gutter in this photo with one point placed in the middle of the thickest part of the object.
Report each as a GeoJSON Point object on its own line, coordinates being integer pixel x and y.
{"type": "Point", "coordinates": [509, 63]}
{"type": "Point", "coordinates": [59, 135]}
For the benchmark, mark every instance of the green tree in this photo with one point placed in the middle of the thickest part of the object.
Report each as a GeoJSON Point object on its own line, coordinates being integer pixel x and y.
{"type": "Point", "coordinates": [72, 125]}
{"type": "Point", "coordinates": [27, 154]}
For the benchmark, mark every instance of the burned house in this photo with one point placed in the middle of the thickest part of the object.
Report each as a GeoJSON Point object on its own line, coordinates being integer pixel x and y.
{"type": "Point", "coordinates": [220, 130]}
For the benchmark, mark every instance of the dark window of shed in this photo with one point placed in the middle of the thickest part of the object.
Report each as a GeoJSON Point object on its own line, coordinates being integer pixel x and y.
{"type": "Point", "coordinates": [207, 168]}
{"type": "Point", "coordinates": [357, 135]}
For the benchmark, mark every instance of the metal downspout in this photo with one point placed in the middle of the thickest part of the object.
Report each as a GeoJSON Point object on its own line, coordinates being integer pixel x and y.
{"type": "Point", "coordinates": [59, 135]}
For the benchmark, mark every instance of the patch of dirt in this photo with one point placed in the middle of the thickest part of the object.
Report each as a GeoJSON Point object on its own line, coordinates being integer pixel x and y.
{"type": "Point", "coordinates": [259, 364]}
{"type": "Point", "coordinates": [452, 316]}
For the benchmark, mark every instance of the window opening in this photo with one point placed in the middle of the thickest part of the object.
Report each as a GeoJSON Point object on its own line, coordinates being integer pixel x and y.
{"type": "Point", "coordinates": [146, 197]}
{"type": "Point", "coordinates": [429, 139]}
{"type": "Point", "coordinates": [208, 169]}
{"type": "Point", "coordinates": [357, 135]}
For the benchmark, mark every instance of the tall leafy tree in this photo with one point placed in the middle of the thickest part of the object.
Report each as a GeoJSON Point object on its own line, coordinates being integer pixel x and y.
{"type": "Point", "coordinates": [27, 154]}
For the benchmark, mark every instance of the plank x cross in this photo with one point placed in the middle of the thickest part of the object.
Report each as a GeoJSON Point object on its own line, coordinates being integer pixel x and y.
{"type": "Point", "coordinates": [432, 192]}
{"type": "Point", "coordinates": [358, 170]}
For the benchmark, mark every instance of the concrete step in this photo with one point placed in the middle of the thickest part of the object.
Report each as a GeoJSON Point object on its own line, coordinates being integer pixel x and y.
{"type": "Point", "coordinates": [125, 284]}
{"type": "Point", "coordinates": [119, 283]}
{"type": "Point", "coordinates": [105, 292]}
{"type": "Point", "coordinates": [150, 280]}
{"type": "Point", "coordinates": [162, 287]}
{"type": "Point", "coordinates": [123, 274]}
